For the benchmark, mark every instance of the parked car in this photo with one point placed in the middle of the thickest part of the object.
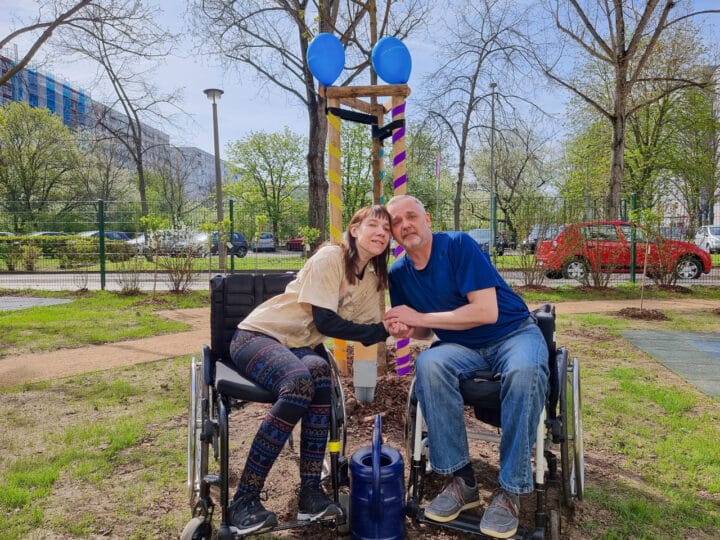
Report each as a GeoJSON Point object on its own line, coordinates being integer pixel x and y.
{"type": "Point", "coordinates": [295, 244]}
{"type": "Point", "coordinates": [264, 242]}
{"type": "Point", "coordinates": [138, 243]}
{"type": "Point", "coordinates": [707, 237]}
{"type": "Point", "coordinates": [109, 235]}
{"type": "Point", "coordinates": [540, 232]}
{"type": "Point", "coordinates": [47, 233]}
{"type": "Point", "coordinates": [605, 246]}
{"type": "Point", "coordinates": [237, 245]}
{"type": "Point", "coordinates": [178, 242]}
{"type": "Point", "coordinates": [482, 237]}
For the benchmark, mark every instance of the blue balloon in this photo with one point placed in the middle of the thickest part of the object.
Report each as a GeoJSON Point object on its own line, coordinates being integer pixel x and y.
{"type": "Point", "coordinates": [391, 60]}
{"type": "Point", "coordinates": [326, 58]}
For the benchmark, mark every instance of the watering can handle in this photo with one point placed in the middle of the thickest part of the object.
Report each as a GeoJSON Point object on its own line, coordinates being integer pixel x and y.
{"type": "Point", "coordinates": [376, 446]}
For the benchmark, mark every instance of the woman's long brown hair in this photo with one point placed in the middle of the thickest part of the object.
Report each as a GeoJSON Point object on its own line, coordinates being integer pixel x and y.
{"type": "Point", "coordinates": [350, 251]}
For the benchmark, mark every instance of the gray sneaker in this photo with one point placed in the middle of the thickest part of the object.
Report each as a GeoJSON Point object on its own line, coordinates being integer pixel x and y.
{"type": "Point", "coordinates": [455, 498]}
{"type": "Point", "coordinates": [500, 519]}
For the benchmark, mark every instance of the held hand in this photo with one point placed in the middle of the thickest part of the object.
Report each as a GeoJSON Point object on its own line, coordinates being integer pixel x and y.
{"type": "Point", "coordinates": [405, 315]}
{"type": "Point", "coordinates": [400, 330]}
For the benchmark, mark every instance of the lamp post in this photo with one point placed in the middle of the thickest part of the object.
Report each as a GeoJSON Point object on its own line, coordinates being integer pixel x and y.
{"type": "Point", "coordinates": [493, 217]}
{"type": "Point", "coordinates": [214, 94]}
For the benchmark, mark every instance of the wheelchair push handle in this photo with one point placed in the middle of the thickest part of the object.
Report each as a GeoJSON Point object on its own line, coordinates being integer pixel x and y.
{"type": "Point", "coordinates": [377, 443]}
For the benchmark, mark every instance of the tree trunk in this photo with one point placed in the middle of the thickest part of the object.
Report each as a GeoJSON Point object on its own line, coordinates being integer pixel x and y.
{"type": "Point", "coordinates": [617, 162]}
{"type": "Point", "coordinates": [317, 183]}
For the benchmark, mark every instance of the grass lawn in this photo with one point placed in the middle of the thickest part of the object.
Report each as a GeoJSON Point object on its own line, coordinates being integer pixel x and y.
{"type": "Point", "coordinates": [90, 318]}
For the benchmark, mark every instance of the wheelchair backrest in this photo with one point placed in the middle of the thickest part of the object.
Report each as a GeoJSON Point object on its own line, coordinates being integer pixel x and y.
{"type": "Point", "coordinates": [232, 298]}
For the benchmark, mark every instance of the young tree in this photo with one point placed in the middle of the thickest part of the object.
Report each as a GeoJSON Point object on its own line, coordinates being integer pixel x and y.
{"type": "Point", "coordinates": [623, 35]}
{"type": "Point", "coordinates": [272, 165]}
{"type": "Point", "coordinates": [272, 39]}
{"type": "Point", "coordinates": [521, 167]}
{"type": "Point", "coordinates": [168, 185]}
{"type": "Point", "coordinates": [104, 174]}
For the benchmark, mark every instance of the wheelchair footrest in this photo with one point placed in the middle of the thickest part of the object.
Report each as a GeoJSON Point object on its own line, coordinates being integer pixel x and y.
{"type": "Point", "coordinates": [334, 521]}
{"type": "Point", "coordinates": [467, 523]}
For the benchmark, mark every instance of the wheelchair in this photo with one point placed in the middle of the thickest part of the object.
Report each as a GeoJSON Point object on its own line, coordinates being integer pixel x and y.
{"type": "Point", "coordinates": [560, 425]}
{"type": "Point", "coordinates": [216, 389]}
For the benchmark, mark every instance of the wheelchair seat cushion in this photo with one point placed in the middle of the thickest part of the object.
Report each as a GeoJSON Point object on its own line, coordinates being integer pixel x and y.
{"type": "Point", "coordinates": [482, 392]}
{"type": "Point", "coordinates": [230, 383]}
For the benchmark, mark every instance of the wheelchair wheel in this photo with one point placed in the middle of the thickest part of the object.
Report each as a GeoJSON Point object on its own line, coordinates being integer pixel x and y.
{"type": "Point", "coordinates": [410, 419]}
{"type": "Point", "coordinates": [197, 529]}
{"type": "Point", "coordinates": [196, 450]}
{"type": "Point", "coordinates": [571, 444]}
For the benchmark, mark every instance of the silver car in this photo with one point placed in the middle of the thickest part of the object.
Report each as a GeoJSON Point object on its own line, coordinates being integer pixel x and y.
{"type": "Point", "coordinates": [265, 242]}
{"type": "Point", "coordinates": [707, 237]}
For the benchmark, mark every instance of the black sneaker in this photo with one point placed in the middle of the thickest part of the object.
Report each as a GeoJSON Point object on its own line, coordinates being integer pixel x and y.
{"type": "Point", "coordinates": [313, 504]}
{"type": "Point", "coordinates": [248, 515]}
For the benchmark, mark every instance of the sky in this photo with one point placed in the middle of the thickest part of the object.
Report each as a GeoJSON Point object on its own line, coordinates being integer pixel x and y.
{"type": "Point", "coordinates": [243, 108]}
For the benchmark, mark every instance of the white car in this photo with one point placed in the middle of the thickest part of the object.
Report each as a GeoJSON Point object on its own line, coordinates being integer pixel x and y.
{"type": "Point", "coordinates": [707, 237]}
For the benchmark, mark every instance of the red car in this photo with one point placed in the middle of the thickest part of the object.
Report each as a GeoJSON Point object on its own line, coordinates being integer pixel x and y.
{"type": "Point", "coordinates": [294, 244]}
{"type": "Point", "coordinates": [605, 246]}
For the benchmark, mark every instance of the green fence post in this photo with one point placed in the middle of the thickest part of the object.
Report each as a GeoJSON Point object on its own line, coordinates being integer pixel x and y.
{"type": "Point", "coordinates": [101, 239]}
{"type": "Point", "coordinates": [231, 205]}
{"type": "Point", "coordinates": [633, 247]}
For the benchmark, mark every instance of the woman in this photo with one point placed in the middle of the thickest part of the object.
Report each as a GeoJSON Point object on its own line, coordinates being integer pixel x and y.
{"type": "Point", "coordinates": [336, 294]}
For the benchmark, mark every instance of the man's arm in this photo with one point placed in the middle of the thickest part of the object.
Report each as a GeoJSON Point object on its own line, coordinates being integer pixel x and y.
{"type": "Point", "coordinates": [481, 309]}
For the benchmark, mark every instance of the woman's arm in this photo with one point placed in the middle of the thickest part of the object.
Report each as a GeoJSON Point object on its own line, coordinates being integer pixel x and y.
{"type": "Point", "coordinates": [331, 324]}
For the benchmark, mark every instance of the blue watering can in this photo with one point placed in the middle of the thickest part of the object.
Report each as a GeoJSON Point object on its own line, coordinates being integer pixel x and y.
{"type": "Point", "coordinates": [377, 491]}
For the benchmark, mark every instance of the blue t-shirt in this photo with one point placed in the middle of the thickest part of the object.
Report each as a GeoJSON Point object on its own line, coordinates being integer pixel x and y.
{"type": "Point", "coordinates": [457, 266]}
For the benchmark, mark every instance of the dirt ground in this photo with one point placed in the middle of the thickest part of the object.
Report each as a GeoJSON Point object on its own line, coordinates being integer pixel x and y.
{"type": "Point", "coordinates": [390, 402]}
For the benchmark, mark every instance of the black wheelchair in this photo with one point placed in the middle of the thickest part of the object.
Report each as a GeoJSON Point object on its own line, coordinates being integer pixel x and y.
{"type": "Point", "coordinates": [216, 389]}
{"type": "Point", "coordinates": [560, 425]}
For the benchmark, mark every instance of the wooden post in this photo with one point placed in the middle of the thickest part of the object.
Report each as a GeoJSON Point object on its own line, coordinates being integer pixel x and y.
{"type": "Point", "coordinates": [336, 213]}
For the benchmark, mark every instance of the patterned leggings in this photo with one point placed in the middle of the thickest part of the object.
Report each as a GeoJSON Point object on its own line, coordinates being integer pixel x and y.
{"type": "Point", "coordinates": [300, 381]}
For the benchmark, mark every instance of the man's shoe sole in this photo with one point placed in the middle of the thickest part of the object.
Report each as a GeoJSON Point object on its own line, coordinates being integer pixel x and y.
{"type": "Point", "coordinates": [496, 534]}
{"type": "Point", "coordinates": [444, 519]}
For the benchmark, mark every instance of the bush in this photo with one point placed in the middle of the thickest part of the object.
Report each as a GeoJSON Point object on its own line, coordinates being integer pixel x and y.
{"type": "Point", "coordinates": [79, 252]}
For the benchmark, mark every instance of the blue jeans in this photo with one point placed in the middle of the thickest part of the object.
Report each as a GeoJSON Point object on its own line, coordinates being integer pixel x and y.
{"type": "Point", "coordinates": [521, 359]}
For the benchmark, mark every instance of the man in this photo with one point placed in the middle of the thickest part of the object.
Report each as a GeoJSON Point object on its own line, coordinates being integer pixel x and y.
{"type": "Point", "coordinates": [447, 285]}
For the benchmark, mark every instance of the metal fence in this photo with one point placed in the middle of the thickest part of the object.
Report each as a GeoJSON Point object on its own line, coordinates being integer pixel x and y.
{"type": "Point", "coordinates": [56, 245]}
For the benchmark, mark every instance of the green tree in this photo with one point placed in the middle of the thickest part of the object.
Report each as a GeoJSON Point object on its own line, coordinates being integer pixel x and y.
{"type": "Point", "coordinates": [270, 172]}
{"type": "Point", "coordinates": [38, 163]}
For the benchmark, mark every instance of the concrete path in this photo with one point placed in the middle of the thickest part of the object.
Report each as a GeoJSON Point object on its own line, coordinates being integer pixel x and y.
{"type": "Point", "coordinates": [695, 356]}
